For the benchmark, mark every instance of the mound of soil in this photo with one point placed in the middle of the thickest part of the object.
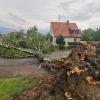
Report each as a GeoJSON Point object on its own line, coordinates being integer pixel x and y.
{"type": "Point", "coordinates": [76, 77]}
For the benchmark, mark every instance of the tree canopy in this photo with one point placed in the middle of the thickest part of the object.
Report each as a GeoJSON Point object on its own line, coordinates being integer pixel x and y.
{"type": "Point", "coordinates": [91, 34]}
{"type": "Point", "coordinates": [32, 39]}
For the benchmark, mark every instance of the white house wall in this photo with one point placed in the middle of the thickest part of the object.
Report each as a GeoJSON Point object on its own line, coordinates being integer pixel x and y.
{"type": "Point", "coordinates": [54, 39]}
{"type": "Point", "coordinates": [69, 39]}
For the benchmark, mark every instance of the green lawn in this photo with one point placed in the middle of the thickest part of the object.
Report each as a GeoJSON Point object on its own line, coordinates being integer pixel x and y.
{"type": "Point", "coordinates": [12, 86]}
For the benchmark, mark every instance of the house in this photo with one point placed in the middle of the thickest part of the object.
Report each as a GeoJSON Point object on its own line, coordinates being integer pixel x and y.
{"type": "Point", "coordinates": [69, 31]}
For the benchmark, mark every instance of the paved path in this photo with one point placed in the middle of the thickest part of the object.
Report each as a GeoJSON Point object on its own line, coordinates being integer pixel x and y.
{"type": "Point", "coordinates": [18, 67]}
{"type": "Point", "coordinates": [26, 66]}
{"type": "Point", "coordinates": [58, 54]}
{"type": "Point", "coordinates": [18, 62]}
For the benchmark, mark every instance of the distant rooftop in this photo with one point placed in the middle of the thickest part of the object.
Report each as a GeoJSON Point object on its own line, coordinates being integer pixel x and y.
{"type": "Point", "coordinates": [65, 29]}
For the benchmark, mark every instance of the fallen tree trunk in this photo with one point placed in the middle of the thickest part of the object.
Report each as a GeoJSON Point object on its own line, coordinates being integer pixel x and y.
{"type": "Point", "coordinates": [38, 55]}
{"type": "Point", "coordinates": [16, 48]}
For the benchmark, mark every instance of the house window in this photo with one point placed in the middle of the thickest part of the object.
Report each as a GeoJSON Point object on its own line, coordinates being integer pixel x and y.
{"type": "Point", "coordinates": [77, 31]}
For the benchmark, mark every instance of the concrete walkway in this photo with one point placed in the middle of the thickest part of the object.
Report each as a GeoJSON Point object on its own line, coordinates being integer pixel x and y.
{"type": "Point", "coordinates": [26, 66]}
{"type": "Point", "coordinates": [57, 54]}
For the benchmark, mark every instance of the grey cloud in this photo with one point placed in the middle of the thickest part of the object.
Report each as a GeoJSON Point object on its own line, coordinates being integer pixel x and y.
{"type": "Point", "coordinates": [7, 23]}
{"type": "Point", "coordinates": [78, 10]}
{"type": "Point", "coordinates": [26, 13]}
{"type": "Point", "coordinates": [17, 18]}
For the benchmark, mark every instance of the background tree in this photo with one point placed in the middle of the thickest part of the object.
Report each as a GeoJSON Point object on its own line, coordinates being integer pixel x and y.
{"type": "Point", "coordinates": [97, 35]}
{"type": "Point", "coordinates": [88, 34]}
{"type": "Point", "coordinates": [32, 30]}
{"type": "Point", "coordinates": [91, 34]}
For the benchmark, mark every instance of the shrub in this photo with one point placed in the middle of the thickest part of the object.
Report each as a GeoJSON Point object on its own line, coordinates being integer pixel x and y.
{"type": "Point", "coordinates": [73, 44]}
{"type": "Point", "coordinates": [60, 41]}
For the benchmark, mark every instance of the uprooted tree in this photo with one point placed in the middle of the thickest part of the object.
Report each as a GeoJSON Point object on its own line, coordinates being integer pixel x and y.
{"type": "Point", "coordinates": [76, 77]}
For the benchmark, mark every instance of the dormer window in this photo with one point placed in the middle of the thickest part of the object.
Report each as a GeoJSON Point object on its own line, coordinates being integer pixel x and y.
{"type": "Point", "coordinates": [76, 31]}
{"type": "Point", "coordinates": [71, 30]}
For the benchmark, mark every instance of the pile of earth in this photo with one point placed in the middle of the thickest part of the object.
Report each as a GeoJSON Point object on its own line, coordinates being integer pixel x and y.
{"type": "Point", "coordinates": [76, 77]}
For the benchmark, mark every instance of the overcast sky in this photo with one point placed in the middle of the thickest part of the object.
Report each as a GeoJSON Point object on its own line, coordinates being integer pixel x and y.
{"type": "Point", "coordinates": [21, 14]}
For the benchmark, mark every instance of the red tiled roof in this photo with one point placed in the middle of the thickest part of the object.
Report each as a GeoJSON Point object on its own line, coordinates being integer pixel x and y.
{"type": "Point", "coordinates": [59, 28]}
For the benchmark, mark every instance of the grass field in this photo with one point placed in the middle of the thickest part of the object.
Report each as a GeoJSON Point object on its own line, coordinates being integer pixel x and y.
{"type": "Point", "coordinates": [12, 86]}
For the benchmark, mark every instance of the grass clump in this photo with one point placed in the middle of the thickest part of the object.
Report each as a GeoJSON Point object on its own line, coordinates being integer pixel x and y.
{"type": "Point", "coordinates": [12, 86]}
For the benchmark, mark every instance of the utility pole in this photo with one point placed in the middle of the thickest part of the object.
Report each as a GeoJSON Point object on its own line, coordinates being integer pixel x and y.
{"type": "Point", "coordinates": [64, 18]}
{"type": "Point", "coordinates": [59, 17]}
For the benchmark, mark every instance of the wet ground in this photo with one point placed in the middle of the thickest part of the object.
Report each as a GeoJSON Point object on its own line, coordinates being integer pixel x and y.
{"type": "Point", "coordinates": [58, 54]}
{"type": "Point", "coordinates": [18, 67]}
{"type": "Point", "coordinates": [18, 62]}
{"type": "Point", "coordinates": [25, 66]}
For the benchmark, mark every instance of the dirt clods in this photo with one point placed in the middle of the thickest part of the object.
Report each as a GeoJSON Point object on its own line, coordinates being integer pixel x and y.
{"type": "Point", "coordinates": [73, 78]}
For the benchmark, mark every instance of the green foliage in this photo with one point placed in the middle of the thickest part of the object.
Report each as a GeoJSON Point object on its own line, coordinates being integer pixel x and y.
{"type": "Point", "coordinates": [33, 39]}
{"type": "Point", "coordinates": [23, 44]}
{"type": "Point", "coordinates": [13, 38]}
{"type": "Point", "coordinates": [73, 44]}
{"type": "Point", "coordinates": [60, 41]}
{"type": "Point", "coordinates": [12, 86]}
{"type": "Point", "coordinates": [97, 35]}
{"type": "Point", "coordinates": [61, 47]}
{"type": "Point", "coordinates": [11, 53]}
{"type": "Point", "coordinates": [38, 41]}
{"type": "Point", "coordinates": [91, 35]}
{"type": "Point", "coordinates": [32, 30]}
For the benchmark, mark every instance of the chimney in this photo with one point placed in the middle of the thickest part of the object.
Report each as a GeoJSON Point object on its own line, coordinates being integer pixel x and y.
{"type": "Point", "coordinates": [67, 21]}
